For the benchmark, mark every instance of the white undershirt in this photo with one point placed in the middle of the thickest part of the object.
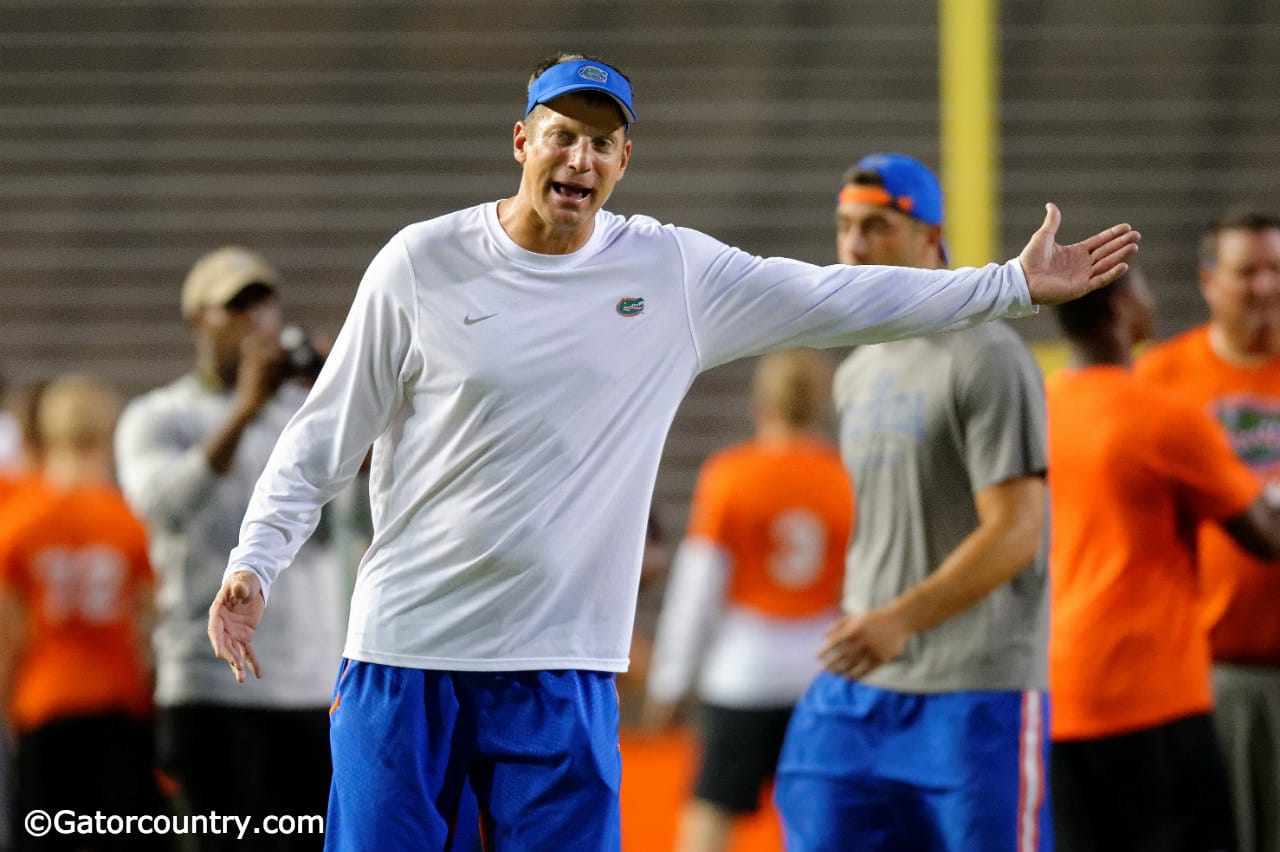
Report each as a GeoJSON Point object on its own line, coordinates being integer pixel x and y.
{"type": "Point", "coordinates": [740, 657]}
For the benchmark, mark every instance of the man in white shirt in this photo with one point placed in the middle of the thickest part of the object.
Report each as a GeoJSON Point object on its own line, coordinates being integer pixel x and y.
{"type": "Point", "coordinates": [188, 455]}
{"type": "Point", "coordinates": [516, 366]}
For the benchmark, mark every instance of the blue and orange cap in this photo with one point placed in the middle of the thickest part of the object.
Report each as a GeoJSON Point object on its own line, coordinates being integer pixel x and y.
{"type": "Point", "coordinates": [582, 75]}
{"type": "Point", "coordinates": [908, 186]}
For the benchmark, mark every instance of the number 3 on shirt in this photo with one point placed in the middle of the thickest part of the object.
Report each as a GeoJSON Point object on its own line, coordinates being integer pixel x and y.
{"type": "Point", "coordinates": [800, 541]}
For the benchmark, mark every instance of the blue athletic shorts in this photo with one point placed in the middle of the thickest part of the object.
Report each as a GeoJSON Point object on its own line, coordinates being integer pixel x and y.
{"type": "Point", "coordinates": [880, 771]}
{"type": "Point", "coordinates": [539, 749]}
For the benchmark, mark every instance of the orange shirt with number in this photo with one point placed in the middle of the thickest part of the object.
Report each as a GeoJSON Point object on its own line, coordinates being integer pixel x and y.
{"type": "Point", "coordinates": [1132, 471]}
{"type": "Point", "coordinates": [77, 560]}
{"type": "Point", "coordinates": [784, 513]}
{"type": "Point", "coordinates": [1240, 592]}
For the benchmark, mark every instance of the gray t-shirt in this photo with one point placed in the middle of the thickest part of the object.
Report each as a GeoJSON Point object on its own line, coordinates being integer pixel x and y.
{"type": "Point", "coordinates": [924, 424]}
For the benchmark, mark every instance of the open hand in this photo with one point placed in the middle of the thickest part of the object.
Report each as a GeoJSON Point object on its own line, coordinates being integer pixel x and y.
{"type": "Point", "coordinates": [232, 619]}
{"type": "Point", "coordinates": [859, 644]}
{"type": "Point", "coordinates": [1057, 273]}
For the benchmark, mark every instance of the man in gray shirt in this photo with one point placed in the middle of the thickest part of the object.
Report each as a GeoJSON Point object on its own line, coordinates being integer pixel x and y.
{"type": "Point", "coordinates": [928, 728]}
{"type": "Point", "coordinates": [188, 456]}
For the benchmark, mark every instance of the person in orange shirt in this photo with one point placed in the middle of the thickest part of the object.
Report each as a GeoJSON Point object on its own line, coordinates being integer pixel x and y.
{"type": "Point", "coordinates": [1230, 367]}
{"type": "Point", "coordinates": [1132, 469]}
{"type": "Point", "coordinates": [755, 586]}
{"type": "Point", "coordinates": [75, 588]}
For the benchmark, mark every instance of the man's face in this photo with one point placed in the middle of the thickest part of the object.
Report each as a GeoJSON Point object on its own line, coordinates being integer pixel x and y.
{"type": "Point", "coordinates": [870, 234]}
{"type": "Point", "coordinates": [573, 151]}
{"type": "Point", "coordinates": [1243, 288]}
{"type": "Point", "coordinates": [226, 328]}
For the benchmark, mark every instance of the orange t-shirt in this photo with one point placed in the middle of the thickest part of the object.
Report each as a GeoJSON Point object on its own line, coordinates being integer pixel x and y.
{"type": "Point", "coordinates": [78, 562]}
{"type": "Point", "coordinates": [783, 513]}
{"type": "Point", "coordinates": [1132, 471]}
{"type": "Point", "coordinates": [1239, 591]}
{"type": "Point", "coordinates": [15, 488]}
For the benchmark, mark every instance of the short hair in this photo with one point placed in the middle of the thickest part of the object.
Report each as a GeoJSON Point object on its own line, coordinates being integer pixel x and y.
{"type": "Point", "coordinates": [796, 384]}
{"type": "Point", "coordinates": [1086, 316]}
{"type": "Point", "coordinates": [854, 176]}
{"type": "Point", "coordinates": [592, 97]}
{"type": "Point", "coordinates": [77, 413]}
{"type": "Point", "coordinates": [1235, 219]}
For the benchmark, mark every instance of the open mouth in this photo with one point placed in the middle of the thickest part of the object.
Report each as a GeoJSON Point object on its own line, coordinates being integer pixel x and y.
{"type": "Point", "coordinates": [569, 191]}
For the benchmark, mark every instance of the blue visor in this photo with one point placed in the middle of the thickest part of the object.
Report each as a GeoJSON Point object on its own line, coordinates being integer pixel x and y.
{"type": "Point", "coordinates": [581, 75]}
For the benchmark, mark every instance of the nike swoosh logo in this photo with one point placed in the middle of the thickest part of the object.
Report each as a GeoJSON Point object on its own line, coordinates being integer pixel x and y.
{"type": "Point", "coordinates": [470, 320]}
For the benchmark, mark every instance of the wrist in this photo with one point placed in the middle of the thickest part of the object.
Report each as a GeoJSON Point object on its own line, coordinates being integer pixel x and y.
{"type": "Point", "coordinates": [245, 408]}
{"type": "Point", "coordinates": [907, 613]}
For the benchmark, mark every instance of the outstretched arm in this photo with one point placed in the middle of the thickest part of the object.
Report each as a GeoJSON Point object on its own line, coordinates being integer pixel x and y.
{"type": "Point", "coordinates": [741, 305]}
{"type": "Point", "coordinates": [233, 617]}
{"type": "Point", "coordinates": [1057, 273]}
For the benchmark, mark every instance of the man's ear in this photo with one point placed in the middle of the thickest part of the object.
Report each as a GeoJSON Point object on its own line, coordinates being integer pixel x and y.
{"type": "Point", "coordinates": [520, 138]}
{"type": "Point", "coordinates": [935, 235]}
{"type": "Point", "coordinates": [1204, 272]}
{"type": "Point", "coordinates": [626, 158]}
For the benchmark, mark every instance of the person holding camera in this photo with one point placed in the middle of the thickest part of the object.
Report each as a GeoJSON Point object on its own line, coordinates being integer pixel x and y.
{"type": "Point", "coordinates": [188, 455]}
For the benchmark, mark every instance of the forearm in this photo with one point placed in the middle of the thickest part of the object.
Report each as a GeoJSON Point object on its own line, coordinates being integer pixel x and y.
{"type": "Point", "coordinates": [313, 459]}
{"type": "Point", "coordinates": [144, 624]}
{"type": "Point", "coordinates": [220, 448]}
{"type": "Point", "coordinates": [13, 624]}
{"type": "Point", "coordinates": [987, 559]}
{"type": "Point", "coordinates": [1257, 529]}
{"type": "Point", "coordinates": [695, 594]}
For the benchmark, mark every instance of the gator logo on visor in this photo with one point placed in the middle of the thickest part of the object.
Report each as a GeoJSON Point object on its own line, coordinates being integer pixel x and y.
{"type": "Point", "coordinates": [630, 307]}
{"type": "Point", "coordinates": [594, 74]}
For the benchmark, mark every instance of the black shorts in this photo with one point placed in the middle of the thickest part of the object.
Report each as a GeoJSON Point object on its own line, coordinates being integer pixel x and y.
{"type": "Point", "coordinates": [247, 761]}
{"type": "Point", "coordinates": [1159, 789]}
{"type": "Point", "coordinates": [740, 751]}
{"type": "Point", "coordinates": [87, 764]}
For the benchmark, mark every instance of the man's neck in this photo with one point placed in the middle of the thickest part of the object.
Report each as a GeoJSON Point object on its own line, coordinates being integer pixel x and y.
{"type": "Point", "coordinates": [1108, 351]}
{"type": "Point", "coordinates": [65, 470]}
{"type": "Point", "coordinates": [531, 232]}
{"type": "Point", "coordinates": [779, 432]}
{"type": "Point", "coordinates": [1238, 353]}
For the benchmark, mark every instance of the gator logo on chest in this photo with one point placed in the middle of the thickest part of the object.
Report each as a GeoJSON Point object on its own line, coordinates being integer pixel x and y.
{"type": "Point", "coordinates": [630, 307]}
{"type": "Point", "coordinates": [1253, 424]}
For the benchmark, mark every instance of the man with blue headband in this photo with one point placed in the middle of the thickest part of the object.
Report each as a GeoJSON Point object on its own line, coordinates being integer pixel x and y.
{"type": "Point", "coordinates": [516, 366]}
{"type": "Point", "coordinates": [928, 727]}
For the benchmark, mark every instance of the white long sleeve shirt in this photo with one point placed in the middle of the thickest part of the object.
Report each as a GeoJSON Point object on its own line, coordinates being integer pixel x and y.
{"type": "Point", "coordinates": [739, 656]}
{"type": "Point", "coordinates": [517, 404]}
